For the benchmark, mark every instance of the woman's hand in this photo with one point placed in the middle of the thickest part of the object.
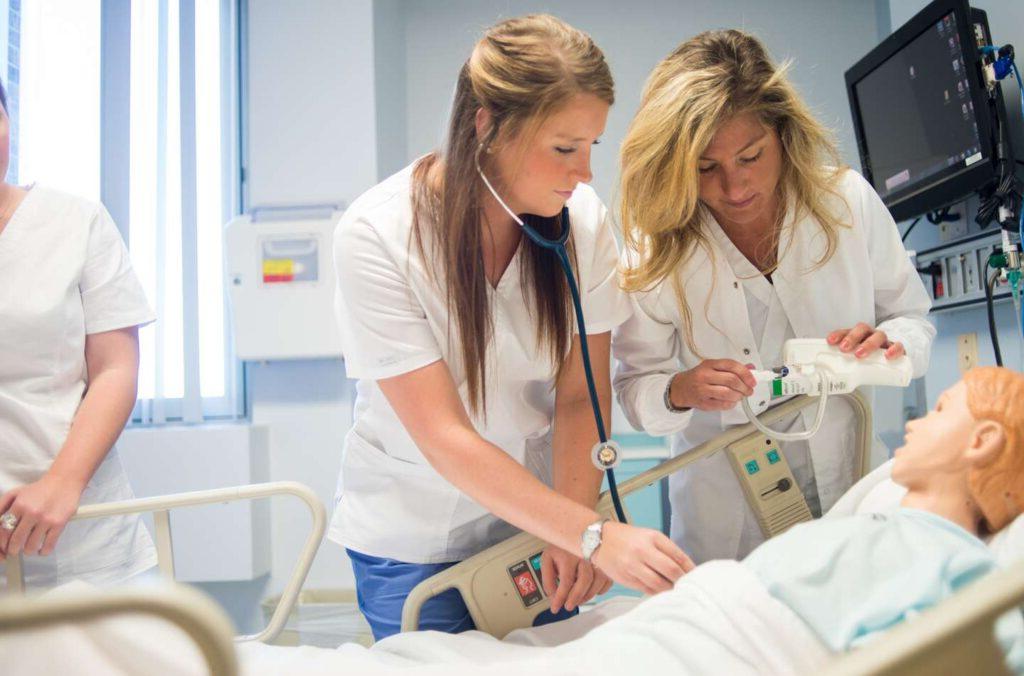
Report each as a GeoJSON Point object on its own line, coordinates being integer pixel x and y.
{"type": "Point", "coordinates": [712, 385]}
{"type": "Point", "coordinates": [42, 509]}
{"type": "Point", "coordinates": [862, 340]}
{"type": "Point", "coordinates": [640, 558]}
{"type": "Point", "coordinates": [568, 580]}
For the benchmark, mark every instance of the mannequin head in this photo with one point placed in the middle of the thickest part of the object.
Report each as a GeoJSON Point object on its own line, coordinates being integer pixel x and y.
{"type": "Point", "coordinates": [969, 446]}
{"type": "Point", "coordinates": [996, 396]}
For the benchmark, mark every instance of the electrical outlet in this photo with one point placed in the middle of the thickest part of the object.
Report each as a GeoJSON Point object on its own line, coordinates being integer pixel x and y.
{"type": "Point", "coordinates": [967, 351]}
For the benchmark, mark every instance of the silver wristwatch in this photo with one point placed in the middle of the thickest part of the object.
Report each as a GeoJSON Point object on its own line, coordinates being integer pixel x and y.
{"type": "Point", "coordinates": [591, 538]}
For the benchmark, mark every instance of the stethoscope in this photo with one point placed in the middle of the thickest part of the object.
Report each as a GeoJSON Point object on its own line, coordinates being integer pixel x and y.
{"type": "Point", "coordinates": [605, 454]}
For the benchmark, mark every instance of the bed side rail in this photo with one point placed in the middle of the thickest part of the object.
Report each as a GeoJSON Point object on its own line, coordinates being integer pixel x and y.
{"type": "Point", "coordinates": [955, 637]}
{"type": "Point", "coordinates": [160, 506]}
{"type": "Point", "coordinates": [199, 617]}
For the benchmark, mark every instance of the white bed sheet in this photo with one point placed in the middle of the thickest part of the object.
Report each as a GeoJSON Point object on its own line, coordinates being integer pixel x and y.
{"type": "Point", "coordinates": [718, 619]}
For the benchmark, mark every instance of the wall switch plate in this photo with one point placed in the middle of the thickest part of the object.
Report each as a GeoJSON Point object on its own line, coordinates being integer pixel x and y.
{"type": "Point", "coordinates": [967, 351]}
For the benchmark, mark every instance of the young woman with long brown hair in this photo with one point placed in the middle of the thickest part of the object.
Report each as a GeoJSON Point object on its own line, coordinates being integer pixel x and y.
{"type": "Point", "coordinates": [472, 399]}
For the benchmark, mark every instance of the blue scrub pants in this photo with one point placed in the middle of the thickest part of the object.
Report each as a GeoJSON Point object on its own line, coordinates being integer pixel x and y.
{"type": "Point", "coordinates": [382, 586]}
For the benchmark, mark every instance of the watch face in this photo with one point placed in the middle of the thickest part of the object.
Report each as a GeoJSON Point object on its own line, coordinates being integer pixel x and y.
{"type": "Point", "coordinates": [591, 539]}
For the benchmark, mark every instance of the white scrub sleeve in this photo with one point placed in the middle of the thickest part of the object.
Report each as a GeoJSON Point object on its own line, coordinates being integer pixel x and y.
{"type": "Point", "coordinates": [645, 349]}
{"type": "Point", "coordinates": [384, 328]}
{"type": "Point", "coordinates": [605, 304]}
{"type": "Point", "coordinates": [112, 297]}
{"type": "Point", "coordinates": [901, 301]}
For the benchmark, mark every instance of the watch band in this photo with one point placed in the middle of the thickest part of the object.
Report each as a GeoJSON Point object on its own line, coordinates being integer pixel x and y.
{"type": "Point", "coordinates": [668, 399]}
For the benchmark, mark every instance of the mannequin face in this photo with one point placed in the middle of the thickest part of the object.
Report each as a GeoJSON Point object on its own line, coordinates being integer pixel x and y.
{"type": "Point", "coordinates": [962, 465]}
{"type": "Point", "coordinates": [935, 444]}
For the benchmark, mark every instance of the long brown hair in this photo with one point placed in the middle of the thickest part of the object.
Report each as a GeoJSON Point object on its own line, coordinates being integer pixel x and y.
{"type": "Point", "coordinates": [707, 80]}
{"type": "Point", "coordinates": [521, 71]}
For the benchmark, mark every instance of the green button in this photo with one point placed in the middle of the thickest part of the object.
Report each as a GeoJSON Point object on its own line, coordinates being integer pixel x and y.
{"type": "Point", "coordinates": [752, 467]}
{"type": "Point", "coordinates": [773, 457]}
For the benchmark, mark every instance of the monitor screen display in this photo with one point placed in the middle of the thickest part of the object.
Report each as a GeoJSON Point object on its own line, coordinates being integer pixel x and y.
{"type": "Point", "coordinates": [916, 111]}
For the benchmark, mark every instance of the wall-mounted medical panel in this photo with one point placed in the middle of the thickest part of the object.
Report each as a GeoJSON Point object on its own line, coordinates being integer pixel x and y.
{"type": "Point", "coordinates": [955, 274]}
{"type": "Point", "coordinates": [280, 278]}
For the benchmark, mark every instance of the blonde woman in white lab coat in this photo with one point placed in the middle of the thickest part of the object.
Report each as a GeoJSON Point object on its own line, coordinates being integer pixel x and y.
{"type": "Point", "coordinates": [70, 308]}
{"type": "Point", "coordinates": [743, 230]}
{"type": "Point", "coordinates": [473, 417]}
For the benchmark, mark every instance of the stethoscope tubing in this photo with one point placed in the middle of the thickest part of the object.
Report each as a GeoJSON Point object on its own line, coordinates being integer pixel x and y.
{"type": "Point", "coordinates": [557, 246]}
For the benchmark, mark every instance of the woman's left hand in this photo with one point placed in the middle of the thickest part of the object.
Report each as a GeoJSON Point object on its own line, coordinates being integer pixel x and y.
{"type": "Point", "coordinates": [569, 580]}
{"type": "Point", "coordinates": [862, 340]}
{"type": "Point", "coordinates": [42, 509]}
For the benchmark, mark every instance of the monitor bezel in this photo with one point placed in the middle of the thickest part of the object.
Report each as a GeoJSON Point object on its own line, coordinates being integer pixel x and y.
{"type": "Point", "coordinates": [955, 182]}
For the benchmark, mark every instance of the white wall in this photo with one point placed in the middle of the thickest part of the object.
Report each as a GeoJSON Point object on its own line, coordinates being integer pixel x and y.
{"type": "Point", "coordinates": [311, 110]}
{"type": "Point", "coordinates": [634, 37]}
{"type": "Point", "coordinates": [1006, 20]}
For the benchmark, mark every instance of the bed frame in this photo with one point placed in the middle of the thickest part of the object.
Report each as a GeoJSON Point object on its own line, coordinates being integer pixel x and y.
{"type": "Point", "coordinates": [955, 637]}
{"type": "Point", "coordinates": [160, 507]}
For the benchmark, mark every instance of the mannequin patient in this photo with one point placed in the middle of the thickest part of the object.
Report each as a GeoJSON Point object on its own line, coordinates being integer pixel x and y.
{"type": "Point", "coordinates": [963, 468]}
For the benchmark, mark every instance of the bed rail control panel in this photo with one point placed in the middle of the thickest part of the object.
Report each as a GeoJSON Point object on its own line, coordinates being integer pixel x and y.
{"type": "Point", "coordinates": [526, 578]}
{"type": "Point", "coordinates": [768, 484]}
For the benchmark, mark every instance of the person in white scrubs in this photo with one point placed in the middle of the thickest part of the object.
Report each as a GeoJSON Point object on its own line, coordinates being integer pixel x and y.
{"type": "Point", "coordinates": [70, 308]}
{"type": "Point", "coordinates": [473, 418]}
{"type": "Point", "coordinates": [743, 230]}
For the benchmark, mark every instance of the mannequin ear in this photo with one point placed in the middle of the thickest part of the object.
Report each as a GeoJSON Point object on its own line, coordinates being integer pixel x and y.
{"type": "Point", "coordinates": [986, 443]}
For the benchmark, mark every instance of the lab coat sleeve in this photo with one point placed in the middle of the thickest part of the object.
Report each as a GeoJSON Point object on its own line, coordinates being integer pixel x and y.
{"type": "Point", "coordinates": [644, 348]}
{"type": "Point", "coordinates": [605, 304]}
{"type": "Point", "coordinates": [901, 301]}
{"type": "Point", "coordinates": [112, 296]}
{"type": "Point", "coordinates": [384, 328]}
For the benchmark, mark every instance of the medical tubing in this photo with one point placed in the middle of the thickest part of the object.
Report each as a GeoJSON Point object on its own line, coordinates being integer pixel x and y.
{"type": "Point", "coordinates": [819, 416]}
{"type": "Point", "coordinates": [563, 257]}
{"type": "Point", "coordinates": [989, 291]}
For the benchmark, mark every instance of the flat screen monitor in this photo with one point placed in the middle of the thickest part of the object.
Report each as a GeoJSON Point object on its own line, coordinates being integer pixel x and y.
{"type": "Point", "coordinates": [922, 115]}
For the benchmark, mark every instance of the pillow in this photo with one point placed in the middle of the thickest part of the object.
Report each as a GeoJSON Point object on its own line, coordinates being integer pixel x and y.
{"type": "Point", "coordinates": [877, 492]}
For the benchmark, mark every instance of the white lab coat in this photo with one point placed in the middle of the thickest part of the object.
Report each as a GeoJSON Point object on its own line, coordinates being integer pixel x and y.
{"type": "Point", "coordinates": [394, 318]}
{"type": "Point", "coordinates": [64, 274]}
{"type": "Point", "coordinates": [869, 279]}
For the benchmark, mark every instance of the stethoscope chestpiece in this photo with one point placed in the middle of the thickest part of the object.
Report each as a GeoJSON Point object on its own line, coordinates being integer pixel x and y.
{"type": "Point", "coordinates": [606, 455]}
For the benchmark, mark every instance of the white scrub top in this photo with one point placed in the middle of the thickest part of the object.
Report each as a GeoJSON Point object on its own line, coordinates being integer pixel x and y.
{"type": "Point", "coordinates": [869, 279]}
{"type": "Point", "coordinates": [64, 273]}
{"type": "Point", "coordinates": [394, 318]}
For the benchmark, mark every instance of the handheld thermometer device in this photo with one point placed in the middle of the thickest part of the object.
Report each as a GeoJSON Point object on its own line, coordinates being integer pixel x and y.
{"type": "Point", "coordinates": [813, 367]}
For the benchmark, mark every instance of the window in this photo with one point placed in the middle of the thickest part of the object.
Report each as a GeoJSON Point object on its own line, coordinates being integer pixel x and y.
{"type": "Point", "coordinates": [162, 101]}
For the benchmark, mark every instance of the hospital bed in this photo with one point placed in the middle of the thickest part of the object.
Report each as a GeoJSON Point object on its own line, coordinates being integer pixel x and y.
{"type": "Point", "coordinates": [954, 637]}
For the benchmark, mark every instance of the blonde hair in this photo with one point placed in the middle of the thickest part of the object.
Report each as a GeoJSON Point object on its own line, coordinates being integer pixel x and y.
{"type": "Point", "coordinates": [521, 71]}
{"type": "Point", "coordinates": [997, 394]}
{"type": "Point", "coordinates": [706, 81]}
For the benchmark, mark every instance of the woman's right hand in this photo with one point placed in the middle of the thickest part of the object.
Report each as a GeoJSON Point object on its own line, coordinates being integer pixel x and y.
{"type": "Point", "coordinates": [712, 385]}
{"type": "Point", "coordinates": [640, 558]}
